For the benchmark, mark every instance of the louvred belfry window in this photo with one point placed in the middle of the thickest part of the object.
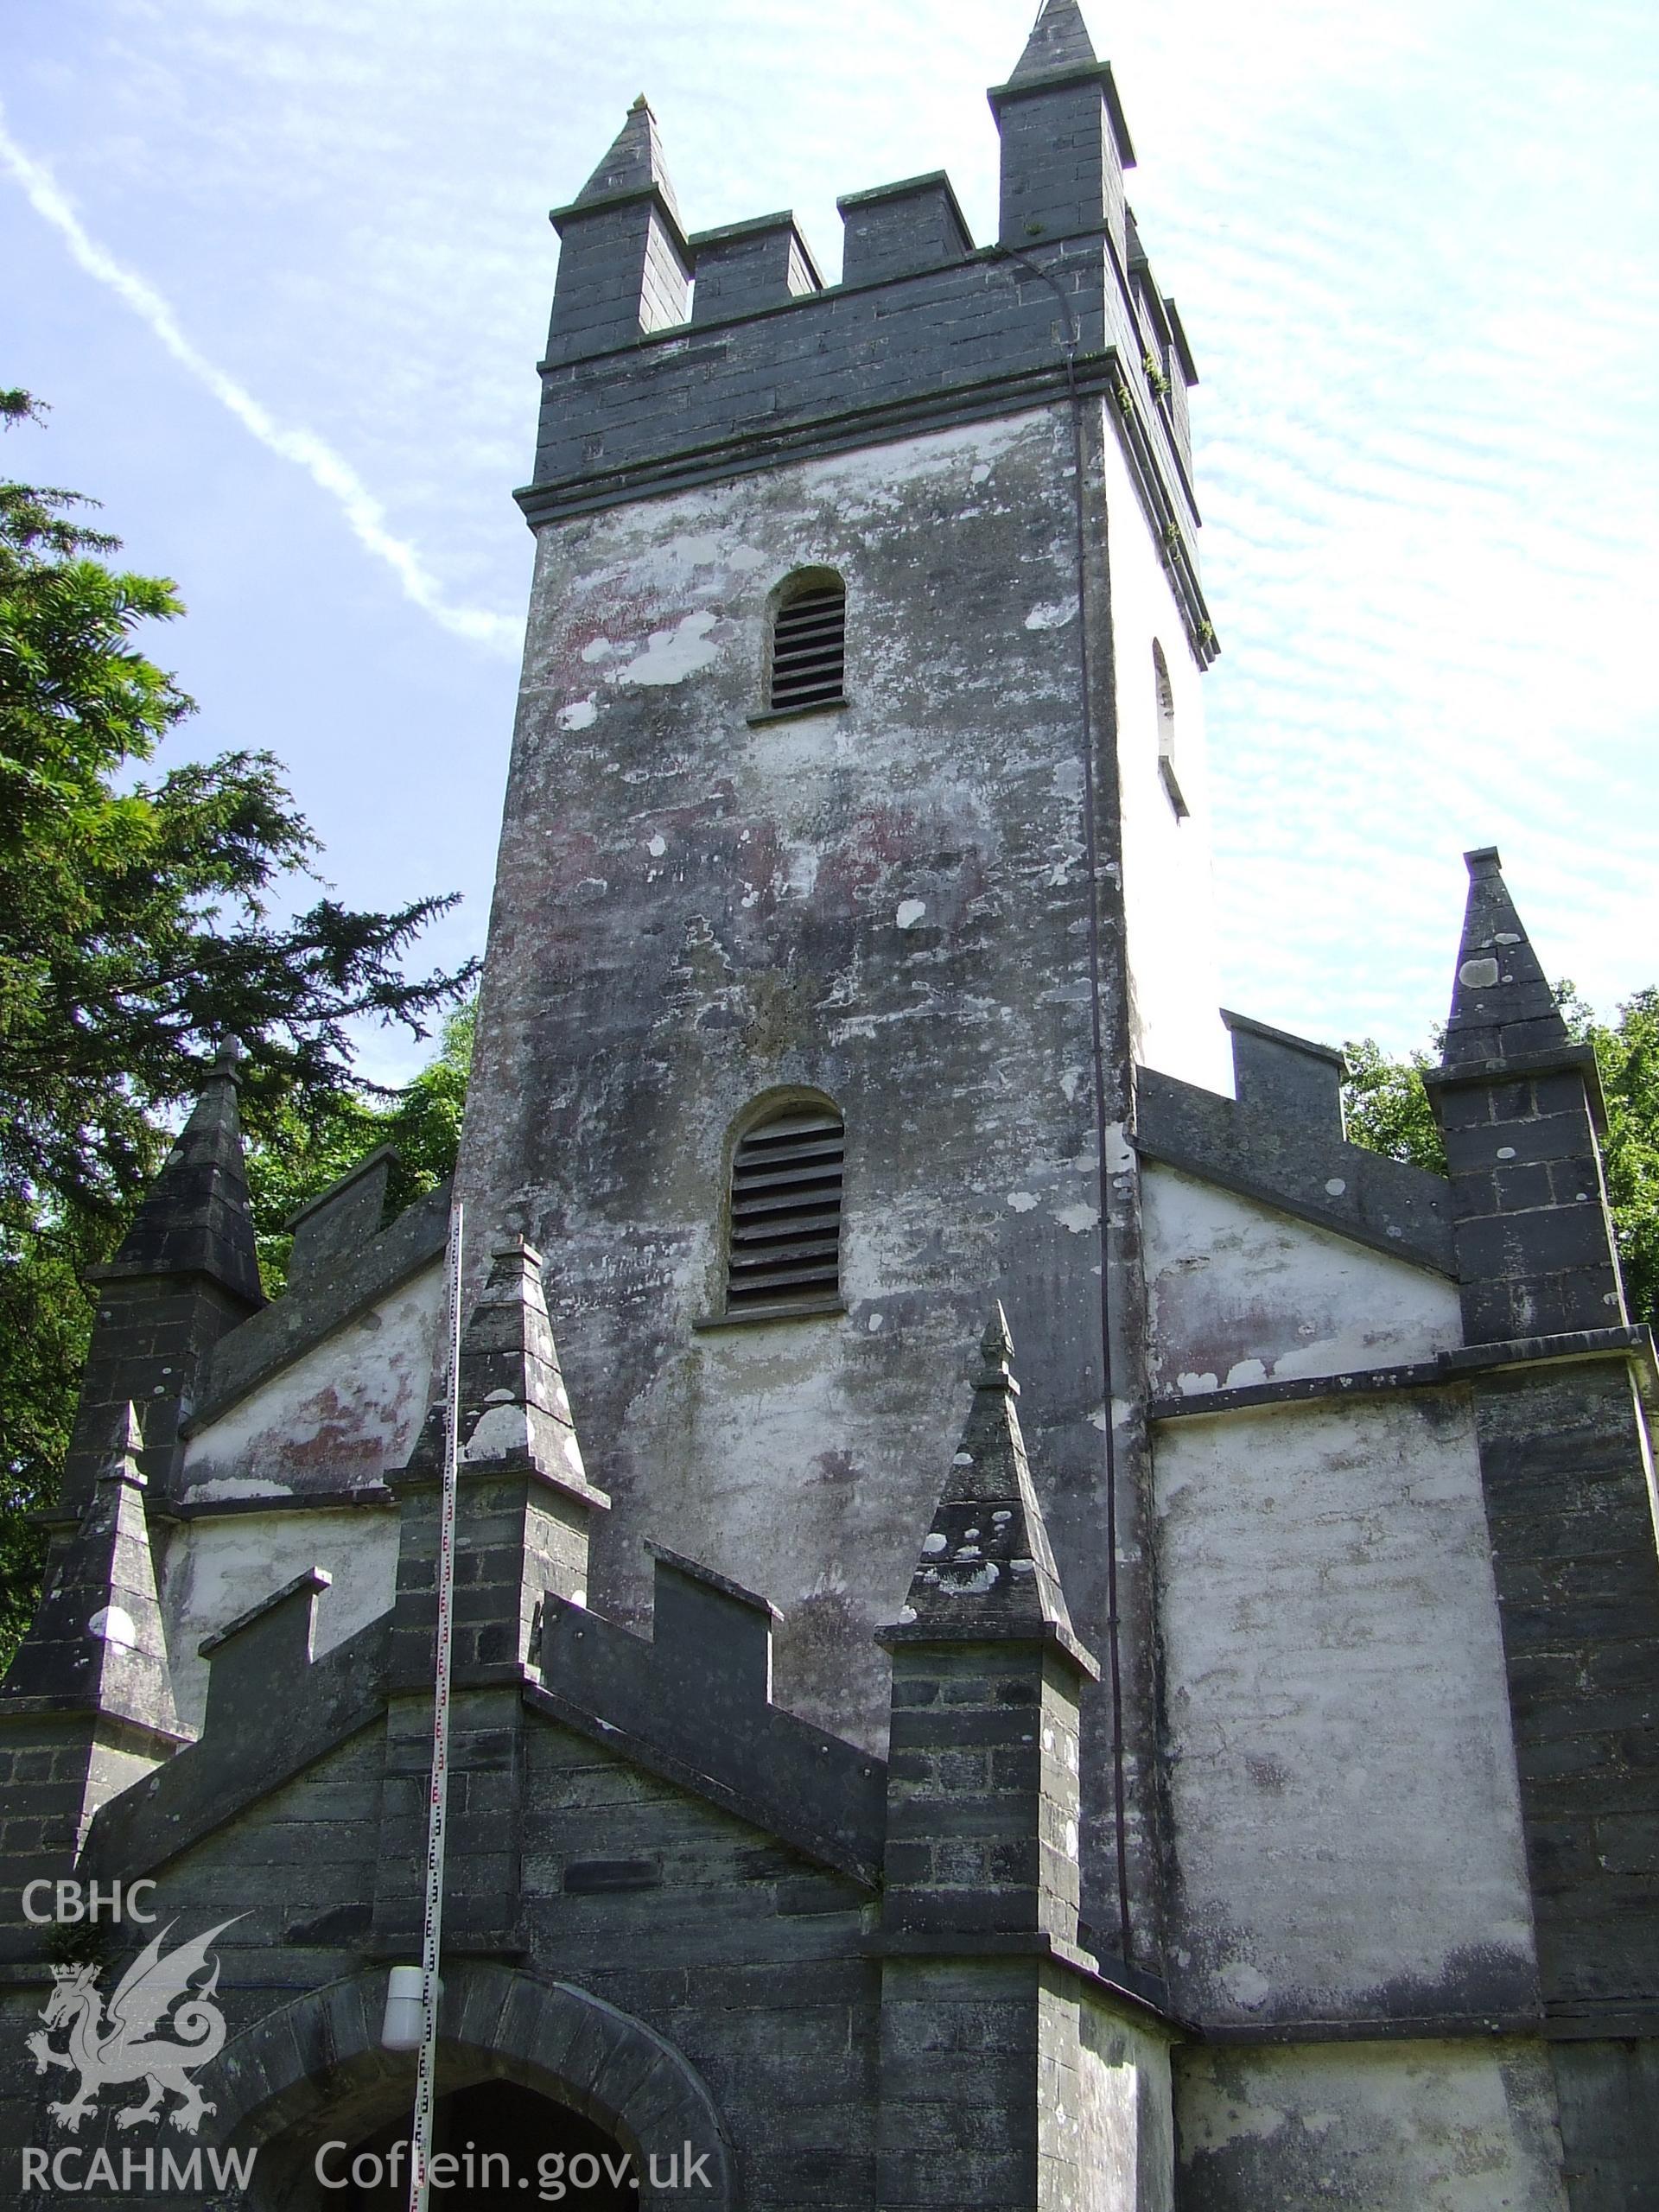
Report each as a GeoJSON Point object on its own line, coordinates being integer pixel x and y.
{"type": "Point", "coordinates": [785, 1232]}
{"type": "Point", "coordinates": [809, 646]}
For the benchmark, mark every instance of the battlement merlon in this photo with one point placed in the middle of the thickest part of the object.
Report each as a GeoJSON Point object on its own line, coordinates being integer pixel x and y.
{"type": "Point", "coordinates": [650, 387]}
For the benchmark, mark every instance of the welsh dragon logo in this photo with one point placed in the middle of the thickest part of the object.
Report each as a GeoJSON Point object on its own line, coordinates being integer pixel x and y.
{"type": "Point", "coordinates": [108, 2049]}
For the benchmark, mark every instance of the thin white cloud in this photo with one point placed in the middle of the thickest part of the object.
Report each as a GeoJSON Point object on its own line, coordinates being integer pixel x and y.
{"type": "Point", "coordinates": [365, 515]}
{"type": "Point", "coordinates": [1410, 241]}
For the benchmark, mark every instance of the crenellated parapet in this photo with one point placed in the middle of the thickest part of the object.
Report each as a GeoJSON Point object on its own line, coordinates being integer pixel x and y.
{"type": "Point", "coordinates": [745, 267]}
{"type": "Point", "coordinates": [676, 360]}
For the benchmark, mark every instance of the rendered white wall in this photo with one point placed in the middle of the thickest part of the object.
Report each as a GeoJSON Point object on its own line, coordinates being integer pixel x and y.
{"type": "Point", "coordinates": [887, 902]}
{"type": "Point", "coordinates": [338, 1417]}
{"type": "Point", "coordinates": [1342, 1783]}
{"type": "Point", "coordinates": [1168, 888]}
{"type": "Point", "coordinates": [212, 1570]}
{"type": "Point", "coordinates": [1380, 2127]}
{"type": "Point", "coordinates": [1239, 1292]}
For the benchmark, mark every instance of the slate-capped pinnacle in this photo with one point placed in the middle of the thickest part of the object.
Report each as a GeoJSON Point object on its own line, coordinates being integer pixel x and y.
{"type": "Point", "coordinates": [1501, 1006]}
{"type": "Point", "coordinates": [197, 1218]}
{"type": "Point", "coordinates": [986, 1570]}
{"type": "Point", "coordinates": [1060, 40]}
{"type": "Point", "coordinates": [514, 1411]}
{"type": "Point", "coordinates": [513, 1403]}
{"type": "Point", "coordinates": [97, 1642]}
{"type": "Point", "coordinates": [634, 164]}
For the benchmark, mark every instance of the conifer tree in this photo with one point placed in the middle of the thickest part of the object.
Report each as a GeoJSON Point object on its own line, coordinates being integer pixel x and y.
{"type": "Point", "coordinates": [145, 920]}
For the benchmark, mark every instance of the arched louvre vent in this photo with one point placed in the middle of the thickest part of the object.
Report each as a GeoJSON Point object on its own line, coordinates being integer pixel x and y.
{"type": "Point", "coordinates": [809, 648]}
{"type": "Point", "coordinates": [786, 1236]}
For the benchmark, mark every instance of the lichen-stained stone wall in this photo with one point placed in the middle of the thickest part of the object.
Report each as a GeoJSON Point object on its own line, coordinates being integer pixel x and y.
{"type": "Point", "coordinates": [745, 1952]}
{"type": "Point", "coordinates": [1393, 2128]}
{"type": "Point", "coordinates": [1345, 1804]}
{"type": "Point", "coordinates": [886, 903]}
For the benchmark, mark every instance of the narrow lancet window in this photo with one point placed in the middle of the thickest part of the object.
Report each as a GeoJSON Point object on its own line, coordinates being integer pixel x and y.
{"type": "Point", "coordinates": [784, 1246]}
{"type": "Point", "coordinates": [808, 643]}
{"type": "Point", "coordinates": [1167, 729]}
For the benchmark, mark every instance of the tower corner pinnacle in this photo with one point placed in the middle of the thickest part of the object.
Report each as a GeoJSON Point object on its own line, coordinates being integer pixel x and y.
{"type": "Point", "coordinates": [1059, 40]}
{"type": "Point", "coordinates": [635, 167]}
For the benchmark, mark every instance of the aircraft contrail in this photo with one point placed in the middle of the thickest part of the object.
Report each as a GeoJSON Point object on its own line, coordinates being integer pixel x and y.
{"type": "Point", "coordinates": [328, 470]}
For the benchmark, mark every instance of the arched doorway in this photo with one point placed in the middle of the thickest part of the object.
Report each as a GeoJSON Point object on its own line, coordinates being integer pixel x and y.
{"type": "Point", "coordinates": [496, 2145]}
{"type": "Point", "coordinates": [311, 2082]}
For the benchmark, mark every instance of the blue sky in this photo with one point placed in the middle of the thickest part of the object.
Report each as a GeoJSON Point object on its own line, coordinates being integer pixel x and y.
{"type": "Point", "coordinates": [282, 269]}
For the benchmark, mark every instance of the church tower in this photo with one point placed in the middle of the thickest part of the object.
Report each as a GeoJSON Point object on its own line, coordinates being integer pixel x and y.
{"type": "Point", "coordinates": [855, 846]}
{"type": "Point", "coordinates": [1198, 1755]}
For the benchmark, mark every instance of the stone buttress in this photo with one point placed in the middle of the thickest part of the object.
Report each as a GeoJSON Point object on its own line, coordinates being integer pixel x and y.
{"type": "Point", "coordinates": [524, 1508]}
{"type": "Point", "coordinates": [86, 1707]}
{"type": "Point", "coordinates": [1011, 2073]}
{"type": "Point", "coordinates": [1562, 1398]}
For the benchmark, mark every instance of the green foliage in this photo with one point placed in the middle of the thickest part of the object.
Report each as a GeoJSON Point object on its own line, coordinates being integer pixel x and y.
{"type": "Point", "coordinates": [45, 1318]}
{"type": "Point", "coordinates": [138, 927]}
{"type": "Point", "coordinates": [45, 1321]}
{"type": "Point", "coordinates": [299, 1156]}
{"type": "Point", "coordinates": [1387, 1111]}
{"type": "Point", "coordinates": [1386, 1106]}
{"type": "Point", "coordinates": [143, 923]}
{"type": "Point", "coordinates": [1627, 1057]}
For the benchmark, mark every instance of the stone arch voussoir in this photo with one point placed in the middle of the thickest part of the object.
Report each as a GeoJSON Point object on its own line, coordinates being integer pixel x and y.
{"type": "Point", "coordinates": [313, 2071]}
